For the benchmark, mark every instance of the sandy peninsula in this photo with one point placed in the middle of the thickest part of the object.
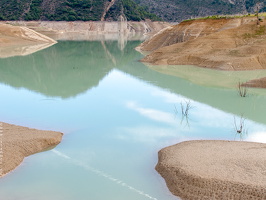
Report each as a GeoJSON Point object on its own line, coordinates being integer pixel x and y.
{"type": "Point", "coordinates": [17, 142]}
{"type": "Point", "coordinates": [21, 41]}
{"type": "Point", "coordinates": [219, 170]}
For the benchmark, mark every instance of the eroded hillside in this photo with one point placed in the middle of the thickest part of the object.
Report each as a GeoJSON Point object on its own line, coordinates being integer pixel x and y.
{"type": "Point", "coordinates": [227, 44]}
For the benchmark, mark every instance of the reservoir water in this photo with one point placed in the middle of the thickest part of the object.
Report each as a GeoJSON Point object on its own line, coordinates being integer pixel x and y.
{"type": "Point", "coordinates": [116, 114]}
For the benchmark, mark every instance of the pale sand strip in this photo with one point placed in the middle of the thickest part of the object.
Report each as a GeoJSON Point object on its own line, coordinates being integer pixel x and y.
{"type": "Point", "coordinates": [215, 170]}
{"type": "Point", "coordinates": [17, 142]}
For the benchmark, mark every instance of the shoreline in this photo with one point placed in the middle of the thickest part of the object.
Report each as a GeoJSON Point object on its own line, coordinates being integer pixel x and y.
{"type": "Point", "coordinates": [94, 30]}
{"type": "Point", "coordinates": [214, 169]}
{"type": "Point", "coordinates": [18, 142]}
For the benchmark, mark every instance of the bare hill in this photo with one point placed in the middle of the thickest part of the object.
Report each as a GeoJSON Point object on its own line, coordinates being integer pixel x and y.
{"type": "Point", "coordinates": [226, 44]}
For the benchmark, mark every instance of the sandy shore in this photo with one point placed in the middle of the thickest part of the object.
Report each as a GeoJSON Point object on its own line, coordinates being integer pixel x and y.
{"type": "Point", "coordinates": [17, 142]}
{"type": "Point", "coordinates": [215, 170]}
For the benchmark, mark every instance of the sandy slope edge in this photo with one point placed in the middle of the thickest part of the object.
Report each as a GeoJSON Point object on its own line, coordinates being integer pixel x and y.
{"type": "Point", "coordinates": [21, 33]}
{"type": "Point", "coordinates": [18, 142]}
{"type": "Point", "coordinates": [215, 170]}
{"type": "Point", "coordinates": [21, 41]}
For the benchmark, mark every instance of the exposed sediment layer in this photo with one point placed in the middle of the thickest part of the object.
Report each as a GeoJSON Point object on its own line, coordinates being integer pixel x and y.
{"type": "Point", "coordinates": [225, 44]}
{"type": "Point", "coordinates": [22, 33]}
{"type": "Point", "coordinates": [18, 142]}
{"type": "Point", "coordinates": [219, 170]}
{"type": "Point", "coordinates": [94, 30]}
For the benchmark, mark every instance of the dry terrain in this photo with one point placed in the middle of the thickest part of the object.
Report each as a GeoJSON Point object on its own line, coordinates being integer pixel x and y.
{"type": "Point", "coordinates": [17, 142]}
{"type": "Point", "coordinates": [94, 30]}
{"type": "Point", "coordinates": [19, 41]}
{"type": "Point", "coordinates": [224, 44]}
{"type": "Point", "coordinates": [237, 44]}
{"type": "Point", "coordinates": [217, 170]}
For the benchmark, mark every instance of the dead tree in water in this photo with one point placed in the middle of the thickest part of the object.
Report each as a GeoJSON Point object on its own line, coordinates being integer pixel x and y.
{"type": "Point", "coordinates": [239, 128]}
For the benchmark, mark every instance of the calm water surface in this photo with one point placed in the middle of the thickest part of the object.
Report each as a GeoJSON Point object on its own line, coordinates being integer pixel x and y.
{"type": "Point", "coordinates": [116, 114]}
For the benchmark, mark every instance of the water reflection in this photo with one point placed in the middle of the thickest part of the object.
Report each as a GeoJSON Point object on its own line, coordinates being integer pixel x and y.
{"type": "Point", "coordinates": [65, 69]}
{"type": "Point", "coordinates": [113, 131]}
{"type": "Point", "coordinates": [22, 50]}
{"type": "Point", "coordinates": [223, 98]}
{"type": "Point", "coordinates": [71, 68]}
{"type": "Point", "coordinates": [209, 77]}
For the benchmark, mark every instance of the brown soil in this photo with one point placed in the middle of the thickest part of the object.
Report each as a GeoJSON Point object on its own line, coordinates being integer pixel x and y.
{"type": "Point", "coordinates": [218, 170]}
{"type": "Point", "coordinates": [187, 30]}
{"type": "Point", "coordinates": [18, 142]}
{"type": "Point", "coordinates": [227, 44]}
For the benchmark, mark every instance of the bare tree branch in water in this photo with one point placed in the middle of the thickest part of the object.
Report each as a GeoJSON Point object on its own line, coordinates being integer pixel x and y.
{"type": "Point", "coordinates": [185, 107]}
{"type": "Point", "coordinates": [239, 127]}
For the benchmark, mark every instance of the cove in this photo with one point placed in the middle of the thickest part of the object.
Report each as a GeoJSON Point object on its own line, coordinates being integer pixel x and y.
{"type": "Point", "coordinates": [116, 114]}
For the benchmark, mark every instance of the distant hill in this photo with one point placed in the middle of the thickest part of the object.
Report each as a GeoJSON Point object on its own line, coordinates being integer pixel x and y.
{"type": "Point", "coordinates": [178, 10]}
{"type": "Point", "coordinates": [135, 10]}
{"type": "Point", "coordinates": [73, 10]}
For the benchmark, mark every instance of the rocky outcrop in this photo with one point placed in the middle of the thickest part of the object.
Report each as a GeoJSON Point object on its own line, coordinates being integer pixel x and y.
{"type": "Point", "coordinates": [237, 44]}
{"type": "Point", "coordinates": [108, 6]}
{"type": "Point", "coordinates": [18, 142]}
{"type": "Point", "coordinates": [218, 170]}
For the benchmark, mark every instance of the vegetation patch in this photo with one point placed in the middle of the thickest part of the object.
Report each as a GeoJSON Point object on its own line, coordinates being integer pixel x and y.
{"type": "Point", "coordinates": [227, 17]}
{"type": "Point", "coordinates": [72, 10]}
{"type": "Point", "coordinates": [258, 31]}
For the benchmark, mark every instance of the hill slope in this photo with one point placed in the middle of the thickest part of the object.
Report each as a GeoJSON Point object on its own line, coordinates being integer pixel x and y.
{"type": "Point", "coordinates": [236, 44]}
{"type": "Point", "coordinates": [136, 10]}
{"type": "Point", "coordinates": [72, 10]}
{"type": "Point", "coordinates": [178, 10]}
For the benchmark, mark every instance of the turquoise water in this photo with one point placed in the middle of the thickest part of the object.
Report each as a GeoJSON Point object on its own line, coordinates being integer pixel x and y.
{"type": "Point", "coordinates": [116, 114]}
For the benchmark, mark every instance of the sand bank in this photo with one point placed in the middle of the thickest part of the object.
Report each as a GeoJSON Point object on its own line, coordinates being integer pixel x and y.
{"type": "Point", "coordinates": [215, 170]}
{"type": "Point", "coordinates": [17, 142]}
{"type": "Point", "coordinates": [21, 33]}
{"type": "Point", "coordinates": [20, 41]}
